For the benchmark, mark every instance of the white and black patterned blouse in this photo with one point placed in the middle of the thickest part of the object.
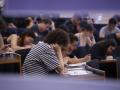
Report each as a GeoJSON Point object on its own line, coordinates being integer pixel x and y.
{"type": "Point", "coordinates": [40, 60]}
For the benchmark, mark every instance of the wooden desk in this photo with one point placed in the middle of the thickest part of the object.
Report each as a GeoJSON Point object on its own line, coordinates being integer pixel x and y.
{"type": "Point", "coordinates": [14, 59]}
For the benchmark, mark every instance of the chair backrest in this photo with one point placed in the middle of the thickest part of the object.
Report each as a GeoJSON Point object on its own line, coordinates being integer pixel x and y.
{"type": "Point", "coordinates": [110, 67]}
{"type": "Point", "coordinates": [23, 54]}
{"type": "Point", "coordinates": [118, 67]}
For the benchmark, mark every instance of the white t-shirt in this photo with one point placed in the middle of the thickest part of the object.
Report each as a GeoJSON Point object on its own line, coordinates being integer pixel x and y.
{"type": "Point", "coordinates": [105, 31]}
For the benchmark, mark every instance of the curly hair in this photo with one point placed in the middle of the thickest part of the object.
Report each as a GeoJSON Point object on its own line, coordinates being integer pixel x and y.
{"type": "Point", "coordinates": [58, 36]}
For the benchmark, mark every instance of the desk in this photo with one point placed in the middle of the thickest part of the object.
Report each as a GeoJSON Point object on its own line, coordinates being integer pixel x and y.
{"type": "Point", "coordinates": [14, 59]}
{"type": "Point", "coordinates": [86, 73]}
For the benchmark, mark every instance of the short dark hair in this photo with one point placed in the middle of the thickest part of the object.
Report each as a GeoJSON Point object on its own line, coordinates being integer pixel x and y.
{"type": "Point", "coordinates": [22, 37]}
{"type": "Point", "coordinates": [58, 36]}
{"type": "Point", "coordinates": [73, 38]}
{"type": "Point", "coordinates": [105, 44]}
{"type": "Point", "coordinates": [117, 17]}
{"type": "Point", "coordinates": [112, 21]}
{"type": "Point", "coordinates": [86, 27]}
{"type": "Point", "coordinates": [110, 42]}
{"type": "Point", "coordinates": [46, 21]}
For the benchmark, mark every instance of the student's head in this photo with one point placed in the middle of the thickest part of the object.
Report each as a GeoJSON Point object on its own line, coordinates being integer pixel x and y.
{"type": "Point", "coordinates": [111, 44]}
{"type": "Point", "coordinates": [44, 24]}
{"type": "Point", "coordinates": [73, 42]}
{"type": "Point", "coordinates": [112, 23]}
{"type": "Point", "coordinates": [59, 37]}
{"type": "Point", "coordinates": [117, 17]}
{"type": "Point", "coordinates": [86, 28]}
{"type": "Point", "coordinates": [76, 19]}
{"type": "Point", "coordinates": [108, 45]}
{"type": "Point", "coordinates": [28, 21]}
{"type": "Point", "coordinates": [26, 38]}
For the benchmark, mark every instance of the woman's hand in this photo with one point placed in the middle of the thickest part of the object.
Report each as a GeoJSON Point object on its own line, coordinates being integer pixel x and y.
{"type": "Point", "coordinates": [87, 57]}
{"type": "Point", "coordinates": [56, 47]}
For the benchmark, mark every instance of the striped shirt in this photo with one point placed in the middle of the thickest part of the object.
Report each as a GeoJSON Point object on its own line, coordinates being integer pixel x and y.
{"type": "Point", "coordinates": [40, 61]}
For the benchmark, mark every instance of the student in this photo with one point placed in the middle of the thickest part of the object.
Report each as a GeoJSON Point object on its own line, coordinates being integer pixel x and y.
{"type": "Point", "coordinates": [41, 29]}
{"type": "Point", "coordinates": [85, 37]}
{"type": "Point", "coordinates": [111, 28]}
{"type": "Point", "coordinates": [71, 59]}
{"type": "Point", "coordinates": [103, 48]}
{"type": "Point", "coordinates": [24, 41]}
{"type": "Point", "coordinates": [47, 56]}
{"type": "Point", "coordinates": [70, 25]}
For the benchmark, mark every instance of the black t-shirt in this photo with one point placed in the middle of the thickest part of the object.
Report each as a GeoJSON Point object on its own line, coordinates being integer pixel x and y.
{"type": "Point", "coordinates": [69, 27]}
{"type": "Point", "coordinates": [97, 52]}
{"type": "Point", "coordinates": [113, 36]}
{"type": "Point", "coordinates": [40, 35]}
{"type": "Point", "coordinates": [8, 32]}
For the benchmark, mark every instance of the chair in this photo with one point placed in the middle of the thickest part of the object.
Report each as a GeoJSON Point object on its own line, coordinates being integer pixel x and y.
{"type": "Point", "coordinates": [23, 54]}
{"type": "Point", "coordinates": [118, 67]}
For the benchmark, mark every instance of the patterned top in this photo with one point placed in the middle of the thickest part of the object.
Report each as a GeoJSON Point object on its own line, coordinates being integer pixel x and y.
{"type": "Point", "coordinates": [40, 61]}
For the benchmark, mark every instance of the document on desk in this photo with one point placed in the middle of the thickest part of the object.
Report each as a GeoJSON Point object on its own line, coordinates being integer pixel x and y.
{"type": "Point", "coordinates": [77, 69]}
{"type": "Point", "coordinates": [78, 64]}
{"type": "Point", "coordinates": [78, 72]}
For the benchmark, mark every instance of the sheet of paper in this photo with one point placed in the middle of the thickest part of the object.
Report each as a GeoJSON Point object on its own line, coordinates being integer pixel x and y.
{"type": "Point", "coordinates": [78, 72]}
{"type": "Point", "coordinates": [78, 64]}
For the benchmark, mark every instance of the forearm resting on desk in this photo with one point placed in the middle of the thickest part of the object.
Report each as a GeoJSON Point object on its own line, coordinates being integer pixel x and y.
{"type": "Point", "coordinates": [76, 60]}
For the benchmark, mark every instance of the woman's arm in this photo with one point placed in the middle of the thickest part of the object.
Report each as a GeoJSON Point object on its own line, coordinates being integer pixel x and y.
{"type": "Point", "coordinates": [58, 51]}
{"type": "Point", "coordinates": [78, 60]}
{"type": "Point", "coordinates": [91, 41]}
{"type": "Point", "coordinates": [13, 39]}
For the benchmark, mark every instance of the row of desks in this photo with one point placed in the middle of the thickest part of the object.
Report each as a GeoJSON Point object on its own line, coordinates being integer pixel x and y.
{"type": "Point", "coordinates": [16, 59]}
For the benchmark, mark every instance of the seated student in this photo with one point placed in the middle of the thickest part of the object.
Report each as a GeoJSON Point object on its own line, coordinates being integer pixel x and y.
{"type": "Point", "coordinates": [85, 37]}
{"type": "Point", "coordinates": [111, 28]}
{"type": "Point", "coordinates": [71, 47]}
{"type": "Point", "coordinates": [47, 56]}
{"type": "Point", "coordinates": [23, 41]}
{"type": "Point", "coordinates": [41, 29]}
{"type": "Point", "coordinates": [70, 25]}
{"type": "Point", "coordinates": [103, 48]}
